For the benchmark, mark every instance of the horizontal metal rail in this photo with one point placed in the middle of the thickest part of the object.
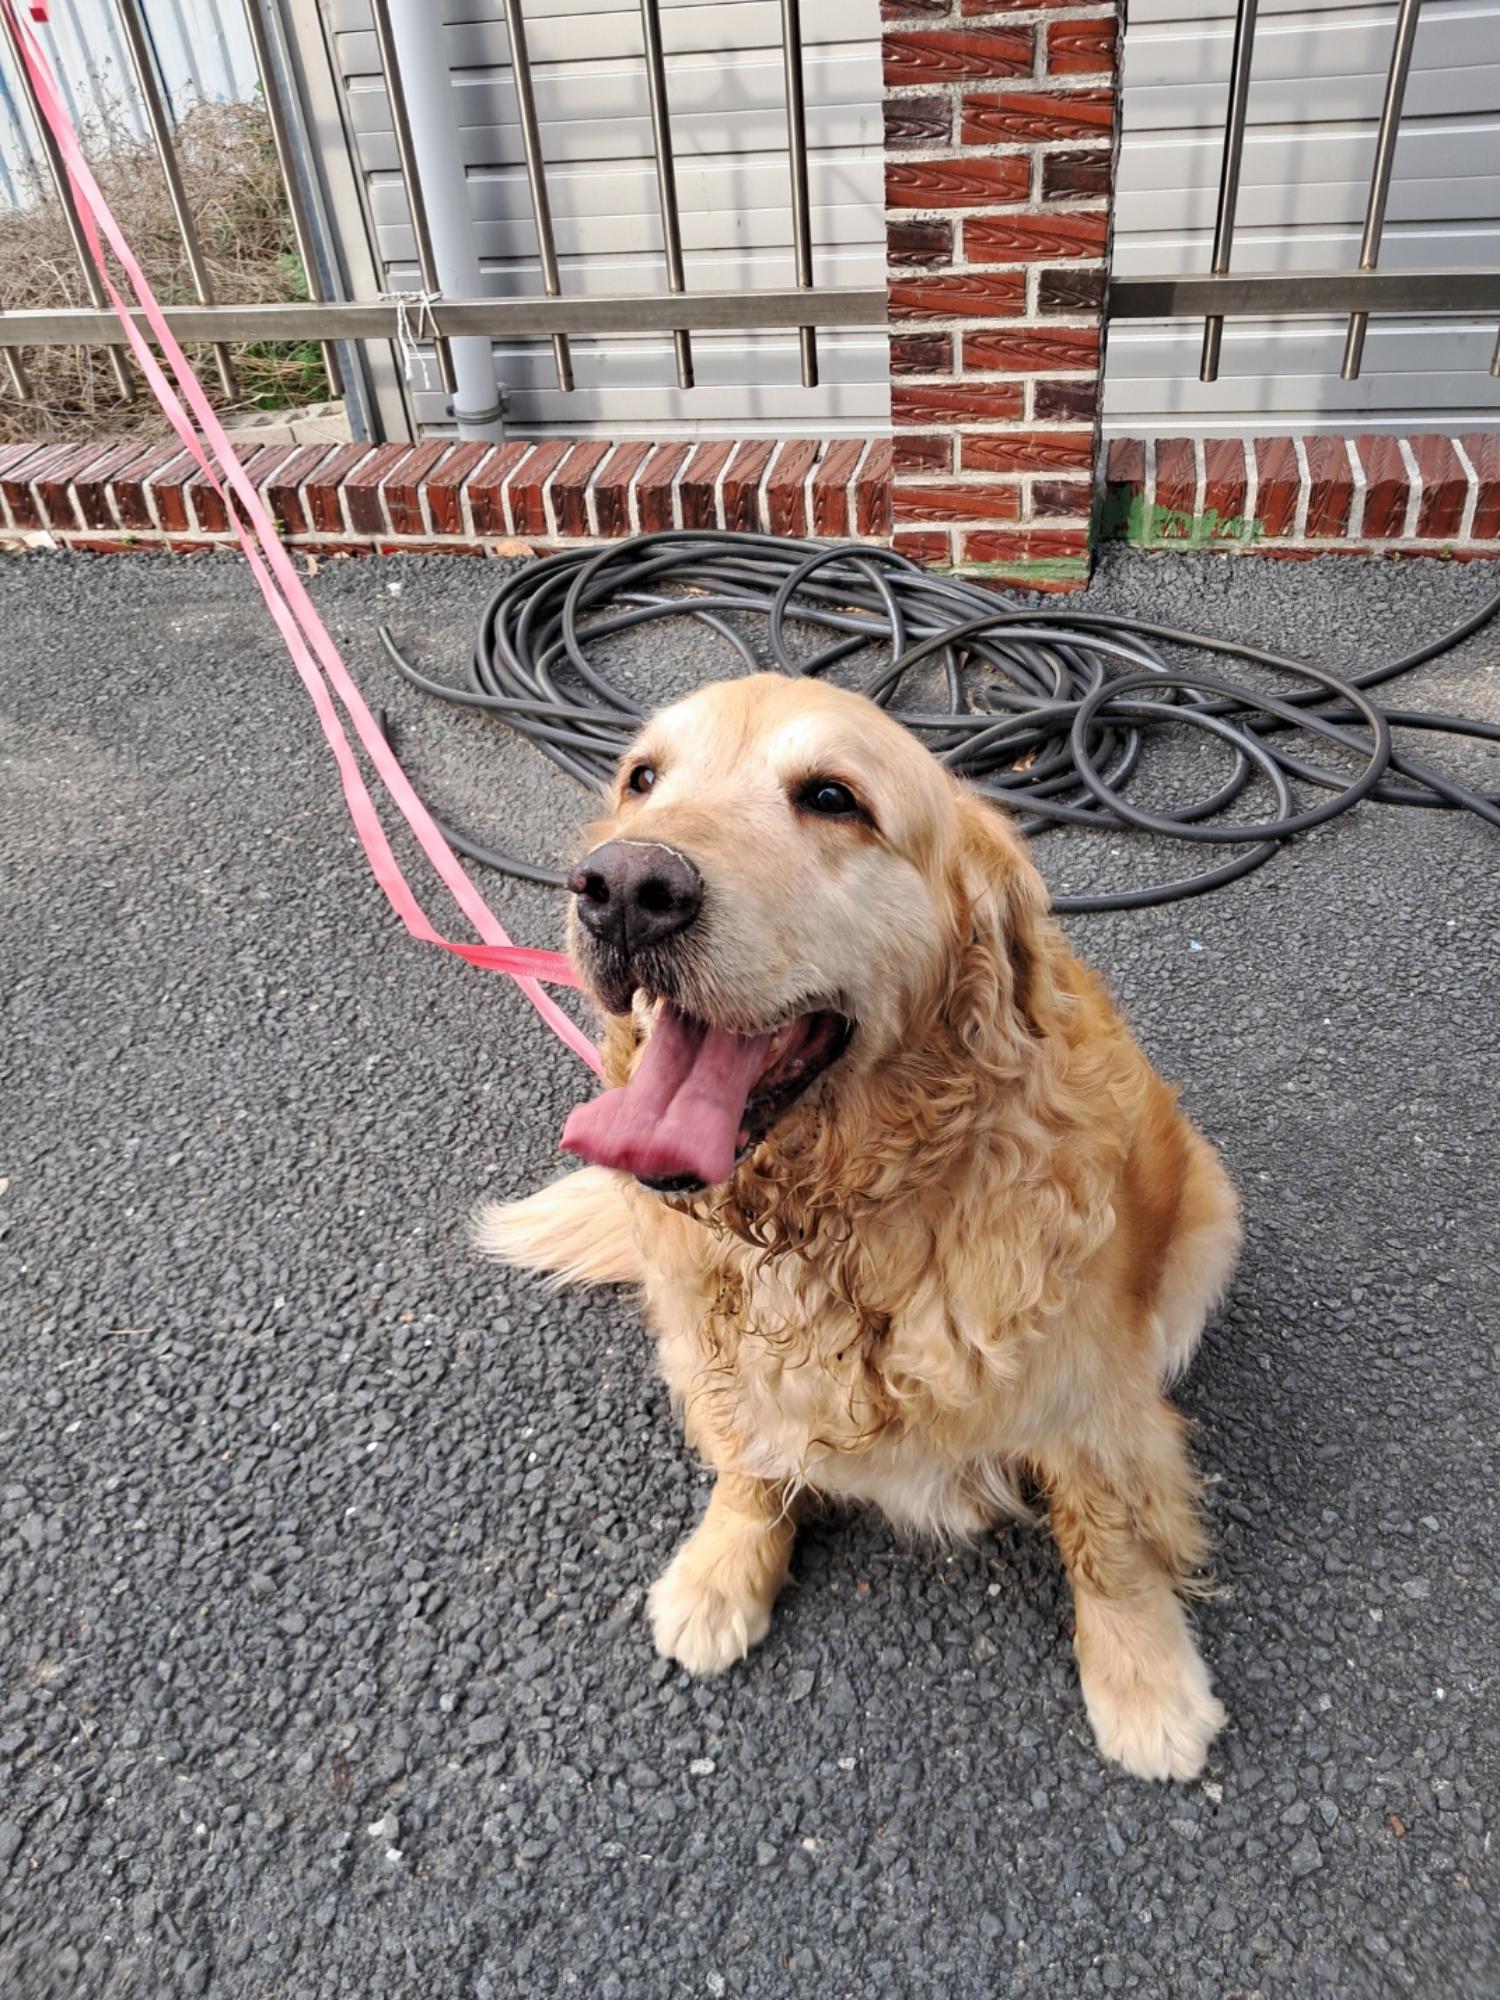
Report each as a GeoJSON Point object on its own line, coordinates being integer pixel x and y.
{"type": "Point", "coordinates": [1300, 294]}
{"type": "Point", "coordinates": [348, 319]}
{"type": "Point", "coordinates": [1188, 295]}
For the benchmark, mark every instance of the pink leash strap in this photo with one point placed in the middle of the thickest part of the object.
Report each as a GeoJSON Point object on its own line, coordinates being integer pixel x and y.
{"type": "Point", "coordinates": [289, 605]}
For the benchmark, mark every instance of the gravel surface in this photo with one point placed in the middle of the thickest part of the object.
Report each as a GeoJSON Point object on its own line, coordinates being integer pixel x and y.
{"type": "Point", "coordinates": [323, 1661]}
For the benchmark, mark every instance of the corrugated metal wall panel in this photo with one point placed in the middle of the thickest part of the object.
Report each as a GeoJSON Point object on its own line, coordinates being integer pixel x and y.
{"type": "Point", "coordinates": [202, 51]}
{"type": "Point", "coordinates": [727, 93]}
{"type": "Point", "coordinates": [1318, 80]}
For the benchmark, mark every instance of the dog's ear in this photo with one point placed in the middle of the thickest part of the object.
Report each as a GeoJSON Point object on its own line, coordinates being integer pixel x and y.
{"type": "Point", "coordinates": [1006, 939]}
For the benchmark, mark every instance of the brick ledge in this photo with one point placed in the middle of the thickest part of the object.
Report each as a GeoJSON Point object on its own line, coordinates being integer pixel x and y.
{"type": "Point", "coordinates": [1308, 495]}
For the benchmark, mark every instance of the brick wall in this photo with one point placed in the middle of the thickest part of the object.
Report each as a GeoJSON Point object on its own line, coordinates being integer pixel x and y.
{"type": "Point", "coordinates": [1000, 143]}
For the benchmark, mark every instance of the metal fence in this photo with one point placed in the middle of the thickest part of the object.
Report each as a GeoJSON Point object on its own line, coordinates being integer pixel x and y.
{"type": "Point", "coordinates": [1359, 292]}
{"type": "Point", "coordinates": [445, 319]}
{"type": "Point", "coordinates": [328, 318]}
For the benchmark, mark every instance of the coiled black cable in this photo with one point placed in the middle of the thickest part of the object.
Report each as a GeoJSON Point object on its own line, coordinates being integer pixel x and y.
{"type": "Point", "coordinates": [1045, 711]}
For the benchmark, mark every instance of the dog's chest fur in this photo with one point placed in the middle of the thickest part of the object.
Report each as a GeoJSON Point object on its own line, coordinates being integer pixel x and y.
{"type": "Point", "coordinates": [765, 1358]}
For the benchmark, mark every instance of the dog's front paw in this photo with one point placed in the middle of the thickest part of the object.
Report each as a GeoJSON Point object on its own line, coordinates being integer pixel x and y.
{"type": "Point", "coordinates": [1158, 1724]}
{"type": "Point", "coordinates": [700, 1620]}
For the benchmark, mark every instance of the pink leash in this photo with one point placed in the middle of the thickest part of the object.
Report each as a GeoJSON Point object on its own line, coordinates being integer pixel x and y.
{"type": "Point", "coordinates": [288, 603]}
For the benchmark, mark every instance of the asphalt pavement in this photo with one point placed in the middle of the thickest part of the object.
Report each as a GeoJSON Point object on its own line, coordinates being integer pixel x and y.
{"type": "Point", "coordinates": [324, 1667]}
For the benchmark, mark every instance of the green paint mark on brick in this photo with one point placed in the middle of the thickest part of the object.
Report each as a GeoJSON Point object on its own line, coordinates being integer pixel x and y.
{"type": "Point", "coordinates": [1034, 569]}
{"type": "Point", "coordinates": [1124, 518]}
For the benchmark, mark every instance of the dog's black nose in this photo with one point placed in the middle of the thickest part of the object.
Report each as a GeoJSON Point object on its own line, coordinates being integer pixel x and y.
{"type": "Point", "coordinates": [634, 893]}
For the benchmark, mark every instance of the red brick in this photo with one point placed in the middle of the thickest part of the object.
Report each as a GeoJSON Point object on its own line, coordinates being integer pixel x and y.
{"type": "Point", "coordinates": [445, 487]}
{"type": "Point", "coordinates": [445, 547]}
{"type": "Point", "coordinates": [922, 454]}
{"type": "Point", "coordinates": [923, 546]}
{"type": "Point", "coordinates": [1019, 117]}
{"type": "Point", "coordinates": [612, 485]}
{"type": "Point", "coordinates": [1071, 292]}
{"type": "Point", "coordinates": [1386, 487]}
{"type": "Point", "coordinates": [208, 511]}
{"type": "Point", "coordinates": [1077, 176]}
{"type": "Point", "coordinates": [1278, 485]}
{"type": "Point", "coordinates": [1445, 489]}
{"type": "Point", "coordinates": [967, 183]}
{"type": "Point", "coordinates": [872, 491]}
{"type": "Point", "coordinates": [967, 295]}
{"type": "Point", "coordinates": [947, 56]}
{"type": "Point", "coordinates": [404, 484]}
{"type": "Point", "coordinates": [1025, 545]}
{"type": "Point", "coordinates": [1482, 449]}
{"type": "Point", "coordinates": [972, 9]}
{"type": "Point", "coordinates": [1032, 350]}
{"type": "Point", "coordinates": [1033, 239]}
{"type": "Point", "coordinates": [259, 467]}
{"type": "Point", "coordinates": [921, 354]}
{"type": "Point", "coordinates": [1330, 493]}
{"type": "Point", "coordinates": [167, 488]}
{"type": "Point", "coordinates": [917, 121]}
{"type": "Point", "coordinates": [52, 482]}
{"type": "Point", "coordinates": [1176, 487]}
{"type": "Point", "coordinates": [128, 486]}
{"type": "Point", "coordinates": [362, 495]}
{"type": "Point", "coordinates": [915, 10]}
{"type": "Point", "coordinates": [526, 487]}
{"type": "Point", "coordinates": [917, 241]}
{"type": "Point", "coordinates": [1127, 464]}
{"type": "Point", "coordinates": [653, 488]}
{"type": "Point", "coordinates": [1059, 496]}
{"type": "Point", "coordinates": [924, 404]}
{"type": "Point", "coordinates": [321, 490]}
{"type": "Point", "coordinates": [1054, 401]}
{"type": "Point", "coordinates": [1224, 486]}
{"type": "Point", "coordinates": [1029, 451]}
{"type": "Point", "coordinates": [486, 488]}
{"type": "Point", "coordinates": [570, 488]}
{"type": "Point", "coordinates": [283, 494]}
{"type": "Point", "coordinates": [786, 502]}
{"type": "Point", "coordinates": [830, 489]}
{"type": "Point", "coordinates": [1081, 48]}
{"type": "Point", "coordinates": [93, 484]}
{"type": "Point", "coordinates": [19, 505]}
{"type": "Point", "coordinates": [741, 486]}
{"type": "Point", "coordinates": [697, 490]}
{"type": "Point", "coordinates": [944, 502]}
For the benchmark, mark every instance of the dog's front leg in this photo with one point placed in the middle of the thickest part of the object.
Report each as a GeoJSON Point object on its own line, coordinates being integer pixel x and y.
{"type": "Point", "coordinates": [1127, 1527]}
{"type": "Point", "coordinates": [713, 1602]}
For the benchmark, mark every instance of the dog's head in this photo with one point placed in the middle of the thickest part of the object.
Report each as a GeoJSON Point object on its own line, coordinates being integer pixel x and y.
{"type": "Point", "coordinates": [786, 889]}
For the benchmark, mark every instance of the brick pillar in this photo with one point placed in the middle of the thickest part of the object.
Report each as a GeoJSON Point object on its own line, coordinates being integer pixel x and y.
{"type": "Point", "coordinates": [1000, 146]}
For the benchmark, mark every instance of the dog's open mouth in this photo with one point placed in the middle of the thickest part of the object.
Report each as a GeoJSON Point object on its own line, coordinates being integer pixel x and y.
{"type": "Point", "coordinates": [701, 1096]}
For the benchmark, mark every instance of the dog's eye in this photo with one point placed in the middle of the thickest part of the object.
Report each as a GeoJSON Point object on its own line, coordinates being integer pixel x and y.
{"type": "Point", "coordinates": [641, 779]}
{"type": "Point", "coordinates": [829, 798]}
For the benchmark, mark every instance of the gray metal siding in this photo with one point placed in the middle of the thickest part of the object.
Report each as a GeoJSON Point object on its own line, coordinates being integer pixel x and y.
{"type": "Point", "coordinates": [728, 104]}
{"type": "Point", "coordinates": [1318, 79]}
{"type": "Point", "coordinates": [202, 52]}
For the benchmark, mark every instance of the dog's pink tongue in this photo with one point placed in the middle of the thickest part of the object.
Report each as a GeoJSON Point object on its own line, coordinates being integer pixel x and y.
{"type": "Point", "coordinates": [681, 1112]}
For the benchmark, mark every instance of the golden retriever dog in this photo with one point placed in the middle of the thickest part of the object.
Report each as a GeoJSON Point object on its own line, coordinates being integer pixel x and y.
{"type": "Point", "coordinates": [914, 1220]}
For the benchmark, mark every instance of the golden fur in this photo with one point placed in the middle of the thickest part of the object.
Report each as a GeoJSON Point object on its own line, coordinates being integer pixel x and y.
{"type": "Point", "coordinates": [971, 1259]}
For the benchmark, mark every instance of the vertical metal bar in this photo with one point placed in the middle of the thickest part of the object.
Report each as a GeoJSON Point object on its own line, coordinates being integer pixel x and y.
{"type": "Point", "coordinates": [541, 207]}
{"type": "Point", "coordinates": [286, 160]}
{"type": "Point", "coordinates": [59, 172]}
{"type": "Point", "coordinates": [1386, 135]}
{"type": "Point", "coordinates": [158, 119]}
{"type": "Point", "coordinates": [1495, 357]}
{"type": "Point", "coordinates": [407, 154]}
{"type": "Point", "coordinates": [15, 373]}
{"type": "Point", "coordinates": [666, 176]}
{"type": "Point", "coordinates": [1229, 175]}
{"type": "Point", "coordinates": [796, 140]}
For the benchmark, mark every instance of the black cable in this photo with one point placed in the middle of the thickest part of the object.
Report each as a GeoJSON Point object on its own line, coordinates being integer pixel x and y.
{"type": "Point", "coordinates": [1045, 711]}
